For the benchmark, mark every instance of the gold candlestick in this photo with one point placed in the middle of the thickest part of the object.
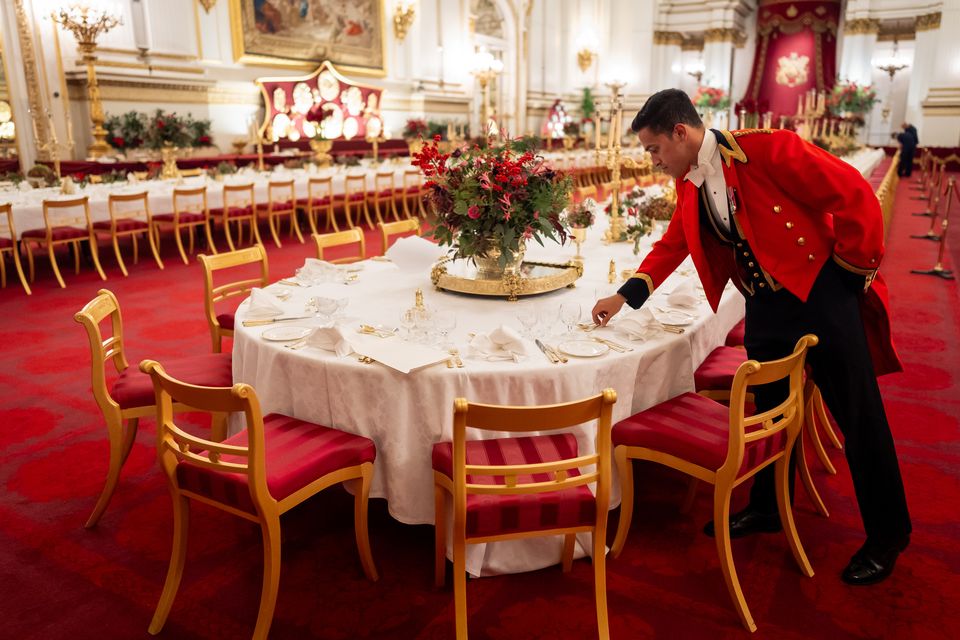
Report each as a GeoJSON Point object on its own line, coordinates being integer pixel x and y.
{"type": "Point", "coordinates": [612, 274]}
{"type": "Point", "coordinates": [87, 23]}
{"type": "Point", "coordinates": [614, 160]}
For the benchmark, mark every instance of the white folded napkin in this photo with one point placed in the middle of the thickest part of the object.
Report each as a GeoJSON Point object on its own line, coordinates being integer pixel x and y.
{"type": "Point", "coordinates": [637, 324]}
{"type": "Point", "coordinates": [502, 343]}
{"type": "Point", "coordinates": [684, 295]}
{"type": "Point", "coordinates": [25, 186]}
{"type": "Point", "coordinates": [132, 178]}
{"type": "Point", "coordinates": [414, 253]}
{"type": "Point", "coordinates": [262, 305]}
{"type": "Point", "coordinates": [330, 339]}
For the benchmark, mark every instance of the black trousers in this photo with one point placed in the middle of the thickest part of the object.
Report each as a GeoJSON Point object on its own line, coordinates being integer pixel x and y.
{"type": "Point", "coordinates": [905, 168]}
{"type": "Point", "coordinates": [843, 370]}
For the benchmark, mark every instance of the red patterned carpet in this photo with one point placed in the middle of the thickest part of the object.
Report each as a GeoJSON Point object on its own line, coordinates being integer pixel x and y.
{"type": "Point", "coordinates": [58, 580]}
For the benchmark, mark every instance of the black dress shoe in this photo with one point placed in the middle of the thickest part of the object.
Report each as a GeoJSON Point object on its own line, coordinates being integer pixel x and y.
{"type": "Point", "coordinates": [873, 562]}
{"type": "Point", "coordinates": [749, 521]}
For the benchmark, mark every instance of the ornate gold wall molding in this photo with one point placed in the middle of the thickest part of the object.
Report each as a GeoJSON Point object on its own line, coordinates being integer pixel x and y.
{"type": "Point", "coordinates": [122, 90]}
{"type": "Point", "coordinates": [692, 42]}
{"type": "Point", "coordinates": [674, 38]}
{"type": "Point", "coordinates": [928, 21]}
{"type": "Point", "coordinates": [28, 59]}
{"type": "Point", "coordinates": [736, 36]}
{"type": "Point", "coordinates": [861, 26]}
{"type": "Point", "coordinates": [207, 4]}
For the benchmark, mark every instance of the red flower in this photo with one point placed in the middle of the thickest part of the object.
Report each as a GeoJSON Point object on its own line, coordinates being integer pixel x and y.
{"type": "Point", "coordinates": [118, 142]}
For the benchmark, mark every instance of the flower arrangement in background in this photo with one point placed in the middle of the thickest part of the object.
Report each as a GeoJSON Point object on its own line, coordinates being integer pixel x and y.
{"type": "Point", "coordinates": [135, 130]}
{"type": "Point", "coordinates": [851, 97]}
{"type": "Point", "coordinates": [711, 99]}
{"type": "Point", "coordinates": [415, 128]}
{"type": "Point", "coordinates": [494, 199]}
{"type": "Point", "coordinates": [639, 211]}
{"type": "Point", "coordinates": [581, 214]}
{"type": "Point", "coordinates": [199, 132]}
{"type": "Point", "coordinates": [126, 131]}
{"type": "Point", "coordinates": [168, 129]}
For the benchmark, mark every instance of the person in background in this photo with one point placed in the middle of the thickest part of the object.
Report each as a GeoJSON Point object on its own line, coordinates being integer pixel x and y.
{"type": "Point", "coordinates": [908, 140]}
{"type": "Point", "coordinates": [800, 234]}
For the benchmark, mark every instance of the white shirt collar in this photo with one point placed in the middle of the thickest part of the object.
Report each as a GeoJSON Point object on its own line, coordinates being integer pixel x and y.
{"type": "Point", "coordinates": [705, 166]}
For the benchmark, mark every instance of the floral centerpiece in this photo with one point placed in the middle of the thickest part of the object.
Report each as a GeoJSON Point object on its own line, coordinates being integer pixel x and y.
{"type": "Point", "coordinates": [711, 99]}
{"type": "Point", "coordinates": [852, 98]}
{"type": "Point", "coordinates": [415, 128]}
{"type": "Point", "coordinates": [199, 133]}
{"type": "Point", "coordinates": [580, 215]}
{"type": "Point", "coordinates": [633, 210]}
{"type": "Point", "coordinates": [167, 129]}
{"type": "Point", "coordinates": [127, 131]}
{"type": "Point", "coordinates": [489, 202]}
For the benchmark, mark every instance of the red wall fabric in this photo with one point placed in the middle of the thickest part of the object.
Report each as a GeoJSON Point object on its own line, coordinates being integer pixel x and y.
{"type": "Point", "coordinates": [796, 52]}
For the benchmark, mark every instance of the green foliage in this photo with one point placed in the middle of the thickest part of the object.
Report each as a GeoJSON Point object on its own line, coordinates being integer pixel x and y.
{"type": "Point", "coordinates": [587, 104]}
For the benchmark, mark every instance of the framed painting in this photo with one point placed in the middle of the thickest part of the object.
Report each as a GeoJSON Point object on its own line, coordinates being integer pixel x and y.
{"type": "Point", "coordinates": [303, 33]}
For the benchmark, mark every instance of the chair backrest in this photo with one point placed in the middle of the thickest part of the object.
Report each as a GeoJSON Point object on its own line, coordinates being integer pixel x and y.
{"type": "Point", "coordinates": [355, 184]}
{"type": "Point", "coordinates": [586, 192]}
{"type": "Point", "coordinates": [91, 316]}
{"type": "Point", "coordinates": [786, 416]}
{"type": "Point", "coordinates": [192, 200]}
{"type": "Point", "coordinates": [129, 206]}
{"type": "Point", "coordinates": [176, 445]}
{"type": "Point", "coordinates": [388, 229]}
{"type": "Point", "coordinates": [541, 477]}
{"type": "Point", "coordinates": [628, 184]}
{"type": "Point", "coordinates": [281, 195]}
{"type": "Point", "coordinates": [74, 212]}
{"type": "Point", "coordinates": [231, 259]}
{"type": "Point", "coordinates": [339, 239]}
{"type": "Point", "coordinates": [191, 173]}
{"type": "Point", "coordinates": [320, 188]}
{"type": "Point", "coordinates": [412, 178]}
{"type": "Point", "coordinates": [383, 181]}
{"type": "Point", "coordinates": [238, 196]}
{"type": "Point", "coordinates": [6, 222]}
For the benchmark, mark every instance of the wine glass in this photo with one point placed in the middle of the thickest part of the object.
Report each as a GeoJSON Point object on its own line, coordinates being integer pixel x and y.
{"type": "Point", "coordinates": [570, 315]}
{"type": "Point", "coordinates": [444, 321]}
{"type": "Point", "coordinates": [527, 316]}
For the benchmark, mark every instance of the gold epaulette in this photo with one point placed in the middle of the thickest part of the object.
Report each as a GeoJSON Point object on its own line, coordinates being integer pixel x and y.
{"type": "Point", "coordinates": [745, 132]}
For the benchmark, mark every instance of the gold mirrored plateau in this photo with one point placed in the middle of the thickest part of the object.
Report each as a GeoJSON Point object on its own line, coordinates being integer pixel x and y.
{"type": "Point", "coordinates": [461, 276]}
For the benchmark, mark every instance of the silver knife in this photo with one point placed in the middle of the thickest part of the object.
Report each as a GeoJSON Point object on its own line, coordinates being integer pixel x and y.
{"type": "Point", "coordinates": [552, 358]}
{"type": "Point", "coordinates": [257, 323]}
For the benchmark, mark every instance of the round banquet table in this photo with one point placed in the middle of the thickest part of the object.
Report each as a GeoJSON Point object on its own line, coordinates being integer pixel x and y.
{"type": "Point", "coordinates": [406, 414]}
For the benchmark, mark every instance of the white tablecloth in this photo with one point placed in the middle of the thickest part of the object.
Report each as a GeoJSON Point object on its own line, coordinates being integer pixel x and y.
{"type": "Point", "coordinates": [406, 415]}
{"type": "Point", "coordinates": [865, 160]}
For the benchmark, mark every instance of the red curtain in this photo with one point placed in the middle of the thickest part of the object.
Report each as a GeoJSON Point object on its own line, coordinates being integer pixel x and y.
{"type": "Point", "coordinates": [796, 52]}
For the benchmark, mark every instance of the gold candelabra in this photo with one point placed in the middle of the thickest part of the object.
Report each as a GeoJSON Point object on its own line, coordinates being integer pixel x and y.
{"type": "Point", "coordinates": [375, 141]}
{"type": "Point", "coordinates": [51, 146]}
{"type": "Point", "coordinates": [485, 68]}
{"type": "Point", "coordinates": [614, 232]}
{"type": "Point", "coordinates": [87, 23]}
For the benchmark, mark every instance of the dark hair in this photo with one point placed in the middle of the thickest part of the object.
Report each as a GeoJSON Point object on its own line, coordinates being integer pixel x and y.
{"type": "Point", "coordinates": [664, 110]}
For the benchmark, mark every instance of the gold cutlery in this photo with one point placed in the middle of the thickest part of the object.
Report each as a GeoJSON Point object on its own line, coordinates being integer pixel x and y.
{"type": "Point", "coordinates": [616, 346]}
{"type": "Point", "coordinates": [670, 328]}
{"type": "Point", "coordinates": [290, 283]}
{"type": "Point", "coordinates": [552, 358]}
{"type": "Point", "coordinates": [260, 323]}
{"type": "Point", "coordinates": [297, 344]}
{"type": "Point", "coordinates": [374, 331]}
{"type": "Point", "coordinates": [588, 326]}
{"type": "Point", "coordinates": [556, 352]}
{"type": "Point", "coordinates": [366, 360]}
{"type": "Point", "coordinates": [456, 357]}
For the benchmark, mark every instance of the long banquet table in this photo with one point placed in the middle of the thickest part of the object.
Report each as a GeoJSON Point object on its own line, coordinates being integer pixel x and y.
{"type": "Point", "coordinates": [405, 414]}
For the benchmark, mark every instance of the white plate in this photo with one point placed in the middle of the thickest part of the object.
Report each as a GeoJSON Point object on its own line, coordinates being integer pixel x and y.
{"type": "Point", "coordinates": [583, 348]}
{"type": "Point", "coordinates": [284, 333]}
{"type": "Point", "coordinates": [674, 318]}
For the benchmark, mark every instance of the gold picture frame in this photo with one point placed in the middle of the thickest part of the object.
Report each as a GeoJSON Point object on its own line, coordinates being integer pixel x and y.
{"type": "Point", "coordinates": [261, 40]}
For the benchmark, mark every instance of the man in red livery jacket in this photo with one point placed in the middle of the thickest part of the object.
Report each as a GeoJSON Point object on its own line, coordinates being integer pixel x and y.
{"type": "Point", "coordinates": [800, 233]}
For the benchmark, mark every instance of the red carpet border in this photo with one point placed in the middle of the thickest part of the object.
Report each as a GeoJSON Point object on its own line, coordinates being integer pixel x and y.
{"type": "Point", "coordinates": [58, 580]}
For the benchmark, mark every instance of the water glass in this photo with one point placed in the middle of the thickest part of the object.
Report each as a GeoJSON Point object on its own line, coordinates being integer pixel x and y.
{"type": "Point", "coordinates": [444, 321]}
{"type": "Point", "coordinates": [570, 315]}
{"type": "Point", "coordinates": [528, 318]}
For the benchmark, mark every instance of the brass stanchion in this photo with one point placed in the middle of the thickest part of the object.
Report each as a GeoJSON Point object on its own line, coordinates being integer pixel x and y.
{"type": "Point", "coordinates": [930, 235]}
{"type": "Point", "coordinates": [920, 182]}
{"type": "Point", "coordinates": [938, 269]}
{"type": "Point", "coordinates": [936, 181]}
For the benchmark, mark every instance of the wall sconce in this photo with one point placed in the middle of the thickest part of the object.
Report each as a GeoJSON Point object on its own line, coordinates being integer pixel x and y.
{"type": "Point", "coordinates": [586, 49]}
{"type": "Point", "coordinates": [695, 70]}
{"type": "Point", "coordinates": [403, 14]}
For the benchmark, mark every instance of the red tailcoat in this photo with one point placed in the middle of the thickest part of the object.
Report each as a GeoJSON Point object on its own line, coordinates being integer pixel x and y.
{"type": "Point", "coordinates": [797, 206]}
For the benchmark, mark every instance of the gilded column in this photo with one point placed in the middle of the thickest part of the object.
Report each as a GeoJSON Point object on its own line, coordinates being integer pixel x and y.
{"type": "Point", "coordinates": [859, 41]}
{"type": "Point", "coordinates": [921, 72]}
{"type": "Point", "coordinates": [34, 94]}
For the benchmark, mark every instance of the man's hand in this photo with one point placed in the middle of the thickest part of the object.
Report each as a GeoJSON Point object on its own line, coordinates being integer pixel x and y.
{"type": "Point", "coordinates": [606, 308]}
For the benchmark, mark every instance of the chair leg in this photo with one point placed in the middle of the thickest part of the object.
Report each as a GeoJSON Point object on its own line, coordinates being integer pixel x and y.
{"type": "Point", "coordinates": [270, 528]}
{"type": "Point", "coordinates": [116, 251]}
{"type": "Point", "coordinates": [811, 428]}
{"type": "Point", "coordinates": [566, 557]}
{"type": "Point", "coordinates": [136, 250]}
{"type": "Point", "coordinates": [782, 470]}
{"type": "Point", "coordinates": [120, 442]}
{"type": "Point", "coordinates": [295, 226]}
{"type": "Point", "coordinates": [191, 234]}
{"type": "Point", "coordinates": [824, 420]}
{"type": "Point", "coordinates": [218, 426]}
{"type": "Point", "coordinates": [226, 232]}
{"type": "Point", "coordinates": [625, 470]}
{"type": "Point", "coordinates": [210, 244]}
{"type": "Point", "coordinates": [154, 249]}
{"type": "Point", "coordinates": [721, 516]}
{"type": "Point", "coordinates": [217, 340]}
{"type": "Point", "coordinates": [53, 263]}
{"type": "Point", "coordinates": [75, 246]}
{"type": "Point", "coordinates": [30, 264]}
{"type": "Point", "coordinates": [181, 524]}
{"type": "Point", "coordinates": [272, 223]}
{"type": "Point", "coordinates": [361, 502]}
{"type": "Point", "coordinates": [255, 231]}
{"type": "Point", "coordinates": [460, 581]}
{"type": "Point", "coordinates": [807, 479]}
{"type": "Point", "coordinates": [600, 582]}
{"type": "Point", "coordinates": [439, 535]}
{"type": "Point", "coordinates": [95, 254]}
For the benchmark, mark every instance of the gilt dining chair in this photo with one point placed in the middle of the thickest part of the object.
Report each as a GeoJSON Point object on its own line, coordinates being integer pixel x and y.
{"type": "Point", "coordinates": [343, 238]}
{"type": "Point", "coordinates": [129, 218]}
{"type": "Point", "coordinates": [220, 320]}
{"type": "Point", "coordinates": [66, 222]}
{"type": "Point", "coordinates": [258, 474]}
{"type": "Point", "coordinates": [8, 244]}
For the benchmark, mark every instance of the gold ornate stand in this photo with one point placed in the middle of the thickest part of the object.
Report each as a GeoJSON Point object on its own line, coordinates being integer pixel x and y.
{"type": "Point", "coordinates": [533, 278]}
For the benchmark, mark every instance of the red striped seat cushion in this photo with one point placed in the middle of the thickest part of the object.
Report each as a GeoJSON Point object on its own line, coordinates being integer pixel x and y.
{"type": "Point", "coordinates": [692, 428]}
{"type": "Point", "coordinates": [493, 515]}
{"type": "Point", "coordinates": [717, 371]}
{"type": "Point", "coordinates": [296, 454]}
{"type": "Point", "coordinates": [5, 243]}
{"type": "Point", "coordinates": [185, 218]}
{"type": "Point", "coordinates": [59, 233]}
{"type": "Point", "coordinates": [133, 388]}
{"type": "Point", "coordinates": [232, 212]}
{"type": "Point", "coordinates": [122, 225]}
{"type": "Point", "coordinates": [386, 193]}
{"type": "Point", "coordinates": [317, 202]}
{"type": "Point", "coordinates": [735, 337]}
{"type": "Point", "coordinates": [225, 320]}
